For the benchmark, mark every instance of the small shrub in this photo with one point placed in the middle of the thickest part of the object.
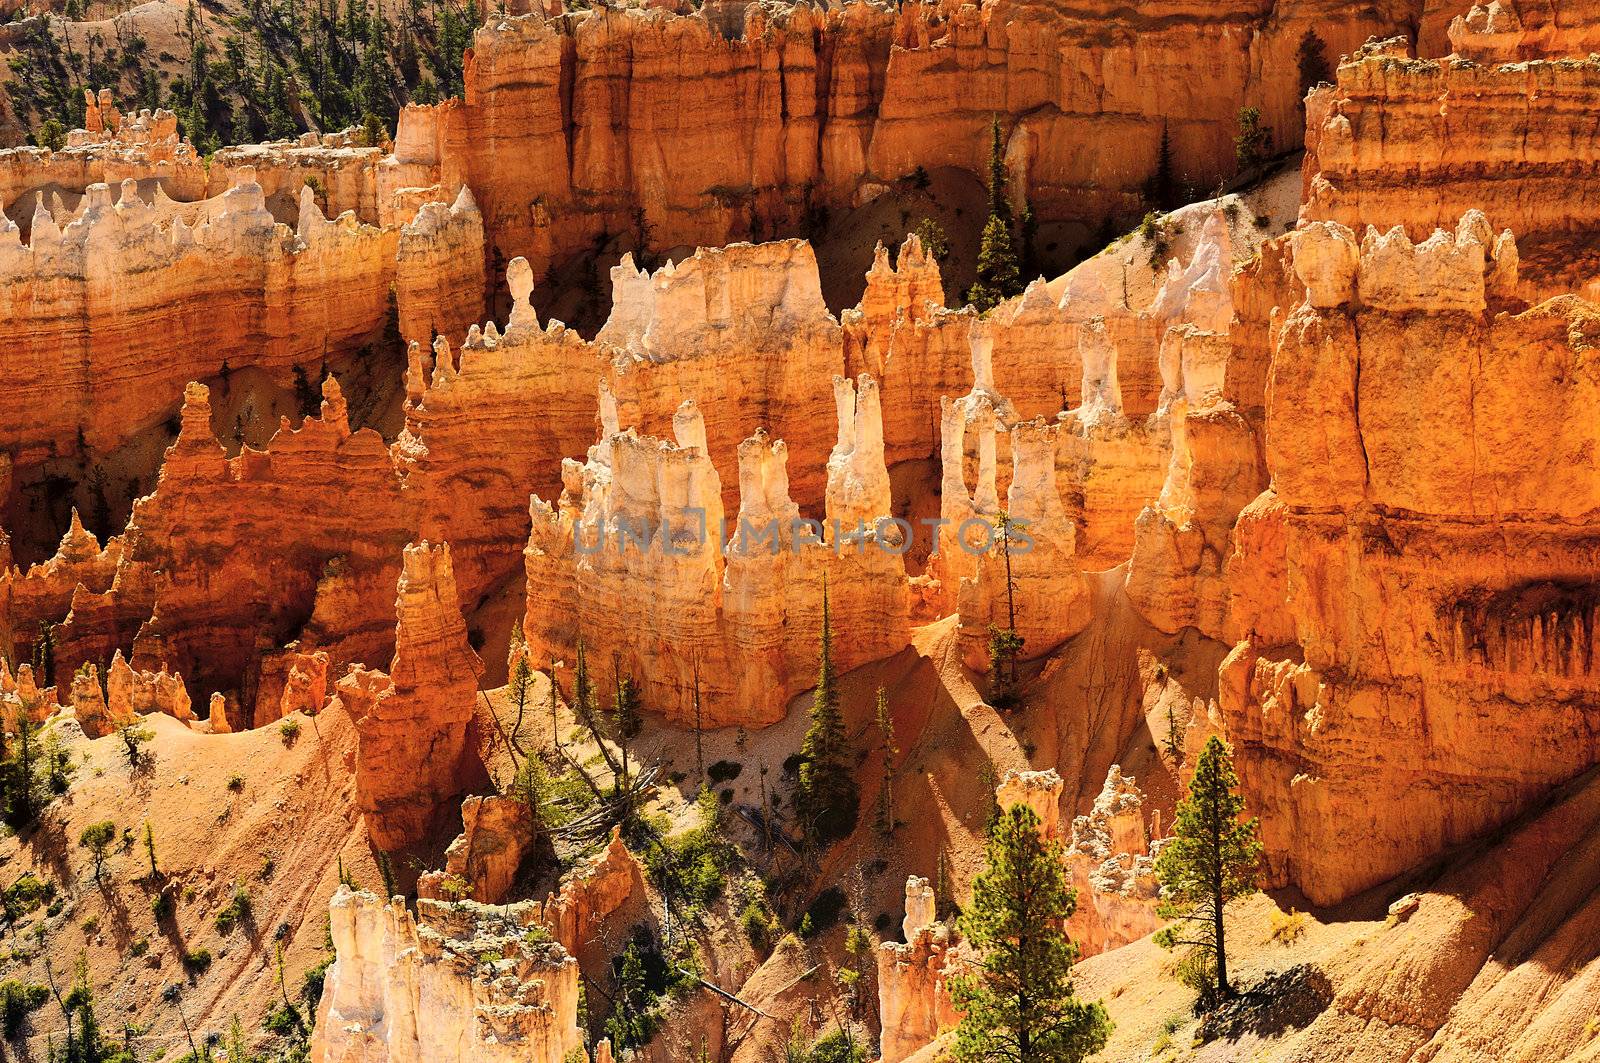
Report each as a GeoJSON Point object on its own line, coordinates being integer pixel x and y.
{"type": "Point", "coordinates": [1287, 928]}
{"type": "Point", "coordinates": [761, 927]}
{"type": "Point", "coordinates": [17, 1000]}
{"type": "Point", "coordinates": [162, 905]}
{"type": "Point", "coordinates": [236, 782]}
{"type": "Point", "coordinates": [97, 838]}
{"type": "Point", "coordinates": [724, 771]}
{"type": "Point", "coordinates": [237, 911]}
{"type": "Point", "coordinates": [693, 866]}
{"type": "Point", "coordinates": [197, 961]}
{"type": "Point", "coordinates": [289, 730]}
{"type": "Point", "coordinates": [311, 984]}
{"type": "Point", "coordinates": [934, 240]}
{"type": "Point", "coordinates": [837, 1046]}
{"type": "Point", "coordinates": [282, 1020]}
{"type": "Point", "coordinates": [139, 948]}
{"type": "Point", "coordinates": [26, 894]}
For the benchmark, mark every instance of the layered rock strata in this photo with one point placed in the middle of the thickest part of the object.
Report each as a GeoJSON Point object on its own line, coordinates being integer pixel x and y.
{"type": "Point", "coordinates": [114, 313]}
{"type": "Point", "coordinates": [1436, 573]}
{"type": "Point", "coordinates": [1403, 141]}
{"type": "Point", "coordinates": [572, 126]}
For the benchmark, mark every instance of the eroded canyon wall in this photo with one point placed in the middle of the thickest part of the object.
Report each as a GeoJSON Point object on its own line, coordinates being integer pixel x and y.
{"type": "Point", "coordinates": [572, 125]}
{"type": "Point", "coordinates": [1436, 570]}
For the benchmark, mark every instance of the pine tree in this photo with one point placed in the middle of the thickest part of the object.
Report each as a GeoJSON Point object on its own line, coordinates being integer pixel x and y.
{"type": "Point", "coordinates": [150, 851]}
{"type": "Point", "coordinates": [999, 277]}
{"type": "Point", "coordinates": [1005, 645]}
{"type": "Point", "coordinates": [1250, 147]}
{"type": "Point", "coordinates": [999, 272]}
{"type": "Point", "coordinates": [826, 799]}
{"type": "Point", "coordinates": [1212, 859]}
{"type": "Point", "coordinates": [999, 205]}
{"type": "Point", "coordinates": [521, 686]}
{"type": "Point", "coordinates": [886, 748]}
{"type": "Point", "coordinates": [1019, 1005]}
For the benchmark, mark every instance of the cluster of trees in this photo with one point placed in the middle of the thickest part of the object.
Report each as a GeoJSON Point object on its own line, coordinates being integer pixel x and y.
{"type": "Point", "coordinates": [1018, 1001]}
{"type": "Point", "coordinates": [33, 771]}
{"type": "Point", "coordinates": [282, 67]}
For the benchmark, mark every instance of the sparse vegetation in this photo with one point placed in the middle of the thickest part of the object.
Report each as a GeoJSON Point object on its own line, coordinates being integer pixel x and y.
{"type": "Point", "coordinates": [1254, 142]}
{"type": "Point", "coordinates": [999, 269]}
{"type": "Point", "coordinates": [826, 798]}
{"type": "Point", "coordinates": [822, 914]}
{"type": "Point", "coordinates": [18, 1000]}
{"type": "Point", "coordinates": [1311, 58]}
{"type": "Point", "coordinates": [1288, 927]}
{"type": "Point", "coordinates": [238, 909]}
{"type": "Point", "coordinates": [643, 977]}
{"type": "Point", "coordinates": [1213, 858]}
{"type": "Point", "coordinates": [133, 735]}
{"type": "Point", "coordinates": [97, 838]}
{"type": "Point", "coordinates": [289, 730]}
{"type": "Point", "coordinates": [692, 867]}
{"type": "Point", "coordinates": [934, 240]}
{"type": "Point", "coordinates": [1019, 1003]}
{"type": "Point", "coordinates": [884, 820]}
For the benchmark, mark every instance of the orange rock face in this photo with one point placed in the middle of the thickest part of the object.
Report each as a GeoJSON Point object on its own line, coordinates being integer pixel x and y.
{"type": "Point", "coordinates": [572, 125]}
{"type": "Point", "coordinates": [1439, 575]}
{"type": "Point", "coordinates": [412, 724]}
{"type": "Point", "coordinates": [1420, 142]}
{"type": "Point", "coordinates": [736, 605]}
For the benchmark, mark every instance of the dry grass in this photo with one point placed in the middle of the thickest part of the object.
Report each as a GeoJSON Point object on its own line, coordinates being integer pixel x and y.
{"type": "Point", "coordinates": [1287, 928]}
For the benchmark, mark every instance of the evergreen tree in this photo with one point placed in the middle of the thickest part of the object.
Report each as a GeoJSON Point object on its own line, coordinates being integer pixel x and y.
{"type": "Point", "coordinates": [150, 850]}
{"type": "Point", "coordinates": [826, 799]}
{"type": "Point", "coordinates": [97, 838]}
{"type": "Point", "coordinates": [1212, 858]}
{"type": "Point", "coordinates": [22, 783]}
{"type": "Point", "coordinates": [885, 818]}
{"type": "Point", "coordinates": [521, 685]}
{"type": "Point", "coordinates": [1005, 645]}
{"type": "Point", "coordinates": [1019, 1005]}
{"type": "Point", "coordinates": [999, 205]}
{"type": "Point", "coordinates": [999, 271]}
{"type": "Point", "coordinates": [1250, 147]}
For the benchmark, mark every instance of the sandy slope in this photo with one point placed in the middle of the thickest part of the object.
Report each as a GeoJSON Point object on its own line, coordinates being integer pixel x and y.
{"type": "Point", "coordinates": [293, 808]}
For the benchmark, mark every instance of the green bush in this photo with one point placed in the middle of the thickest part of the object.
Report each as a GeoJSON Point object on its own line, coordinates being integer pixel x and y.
{"type": "Point", "coordinates": [17, 1000]}
{"type": "Point", "coordinates": [693, 866]}
{"type": "Point", "coordinates": [197, 961]}
{"type": "Point", "coordinates": [237, 911]}
{"type": "Point", "coordinates": [761, 927]}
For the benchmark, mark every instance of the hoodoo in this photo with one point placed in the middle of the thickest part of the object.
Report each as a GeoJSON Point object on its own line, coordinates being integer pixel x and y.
{"type": "Point", "coordinates": [928, 532]}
